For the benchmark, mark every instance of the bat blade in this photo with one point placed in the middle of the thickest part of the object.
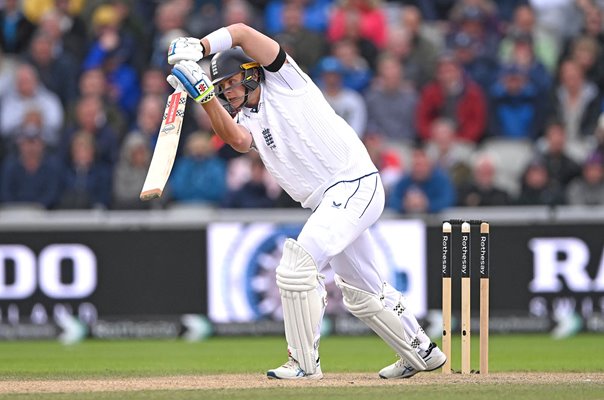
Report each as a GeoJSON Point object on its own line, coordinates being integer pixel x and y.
{"type": "Point", "coordinates": [166, 146]}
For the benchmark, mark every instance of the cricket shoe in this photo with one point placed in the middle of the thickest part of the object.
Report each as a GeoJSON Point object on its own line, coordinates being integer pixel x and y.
{"type": "Point", "coordinates": [291, 370]}
{"type": "Point", "coordinates": [433, 357]}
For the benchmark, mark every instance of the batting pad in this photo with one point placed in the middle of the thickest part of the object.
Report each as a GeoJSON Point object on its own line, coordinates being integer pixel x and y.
{"type": "Point", "coordinates": [386, 323]}
{"type": "Point", "coordinates": [298, 281]}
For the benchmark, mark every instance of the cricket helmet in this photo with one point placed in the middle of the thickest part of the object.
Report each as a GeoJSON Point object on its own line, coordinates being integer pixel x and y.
{"type": "Point", "coordinates": [230, 62]}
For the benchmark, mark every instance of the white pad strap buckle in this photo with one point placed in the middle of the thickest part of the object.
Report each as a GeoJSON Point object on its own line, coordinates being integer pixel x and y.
{"type": "Point", "coordinates": [298, 279]}
{"type": "Point", "coordinates": [386, 323]}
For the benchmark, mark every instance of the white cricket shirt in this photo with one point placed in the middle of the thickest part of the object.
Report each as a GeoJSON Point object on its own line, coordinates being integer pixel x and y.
{"type": "Point", "coordinates": [303, 143]}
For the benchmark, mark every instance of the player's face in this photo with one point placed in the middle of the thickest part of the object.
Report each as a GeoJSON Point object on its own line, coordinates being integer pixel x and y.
{"type": "Point", "coordinates": [233, 90]}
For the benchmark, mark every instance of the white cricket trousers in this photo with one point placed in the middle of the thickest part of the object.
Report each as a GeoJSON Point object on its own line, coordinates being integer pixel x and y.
{"type": "Point", "coordinates": [337, 234]}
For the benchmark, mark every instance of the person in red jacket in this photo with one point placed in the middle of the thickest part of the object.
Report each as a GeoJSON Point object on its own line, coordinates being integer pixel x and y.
{"type": "Point", "coordinates": [452, 95]}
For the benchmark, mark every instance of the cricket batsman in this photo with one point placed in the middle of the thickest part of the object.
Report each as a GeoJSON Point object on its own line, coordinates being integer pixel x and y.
{"type": "Point", "coordinates": [258, 98]}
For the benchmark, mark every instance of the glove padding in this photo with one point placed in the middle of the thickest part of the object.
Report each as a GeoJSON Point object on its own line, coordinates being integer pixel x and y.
{"type": "Point", "coordinates": [192, 78]}
{"type": "Point", "coordinates": [184, 48]}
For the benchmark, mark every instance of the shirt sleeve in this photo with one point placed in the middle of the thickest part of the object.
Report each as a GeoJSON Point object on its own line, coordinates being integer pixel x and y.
{"type": "Point", "coordinates": [289, 76]}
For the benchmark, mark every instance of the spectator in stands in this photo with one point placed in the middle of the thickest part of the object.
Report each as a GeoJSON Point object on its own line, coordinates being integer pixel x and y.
{"type": "Point", "coordinates": [130, 173]}
{"type": "Point", "coordinates": [515, 110]}
{"type": "Point", "coordinates": [27, 94]}
{"type": "Point", "coordinates": [148, 120]}
{"type": "Point", "coordinates": [399, 46]}
{"type": "Point", "coordinates": [522, 53]}
{"type": "Point", "coordinates": [391, 103]}
{"type": "Point", "coordinates": [353, 32]}
{"type": "Point", "coordinates": [482, 70]}
{"type": "Point", "coordinates": [31, 175]}
{"type": "Point", "coordinates": [372, 21]}
{"type": "Point", "coordinates": [425, 189]}
{"type": "Point", "coordinates": [423, 49]}
{"type": "Point", "coordinates": [347, 103]}
{"type": "Point", "coordinates": [199, 175]}
{"type": "Point", "coordinates": [93, 83]}
{"type": "Point", "coordinates": [90, 117]}
{"type": "Point", "coordinates": [65, 28]}
{"type": "Point", "coordinates": [588, 189]}
{"type": "Point", "coordinates": [86, 181]}
{"type": "Point", "coordinates": [316, 14]}
{"type": "Point", "coordinates": [134, 25]}
{"type": "Point", "coordinates": [112, 51]}
{"type": "Point", "coordinates": [588, 53]}
{"type": "Point", "coordinates": [576, 101]}
{"type": "Point", "coordinates": [561, 168]}
{"type": "Point", "coordinates": [168, 24]}
{"type": "Point", "coordinates": [453, 96]}
{"type": "Point", "coordinates": [448, 153]}
{"type": "Point", "coordinates": [15, 30]}
{"type": "Point", "coordinates": [58, 72]}
{"type": "Point", "coordinates": [558, 19]}
{"type": "Point", "coordinates": [239, 11]}
{"type": "Point", "coordinates": [304, 45]}
{"type": "Point", "coordinates": [536, 186]}
{"type": "Point", "coordinates": [357, 73]}
{"type": "Point", "coordinates": [592, 27]}
{"type": "Point", "coordinates": [478, 20]}
{"type": "Point", "coordinates": [254, 193]}
{"type": "Point", "coordinates": [524, 25]}
{"type": "Point", "coordinates": [481, 190]}
{"type": "Point", "coordinates": [154, 82]}
{"type": "Point", "coordinates": [205, 19]}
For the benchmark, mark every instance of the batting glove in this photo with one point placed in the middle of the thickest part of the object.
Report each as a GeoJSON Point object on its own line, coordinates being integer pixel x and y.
{"type": "Point", "coordinates": [185, 48]}
{"type": "Point", "coordinates": [192, 78]}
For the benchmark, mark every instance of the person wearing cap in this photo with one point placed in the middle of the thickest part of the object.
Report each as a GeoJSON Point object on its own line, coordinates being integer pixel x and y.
{"type": "Point", "coordinates": [346, 102]}
{"type": "Point", "coordinates": [515, 110]}
{"type": "Point", "coordinates": [481, 69]}
{"type": "Point", "coordinates": [480, 24]}
{"type": "Point", "coordinates": [522, 53]}
{"type": "Point", "coordinates": [31, 174]}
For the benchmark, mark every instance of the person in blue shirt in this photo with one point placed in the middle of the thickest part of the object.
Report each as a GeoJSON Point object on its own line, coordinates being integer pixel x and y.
{"type": "Point", "coordinates": [200, 175]}
{"type": "Point", "coordinates": [425, 189]}
{"type": "Point", "coordinates": [31, 175]}
{"type": "Point", "coordinates": [516, 106]}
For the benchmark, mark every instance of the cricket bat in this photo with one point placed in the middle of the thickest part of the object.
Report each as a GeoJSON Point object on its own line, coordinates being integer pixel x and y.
{"type": "Point", "coordinates": [166, 146]}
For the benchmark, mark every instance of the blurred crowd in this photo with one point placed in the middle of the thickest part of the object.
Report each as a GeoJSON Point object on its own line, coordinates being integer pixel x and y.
{"type": "Point", "coordinates": [459, 102]}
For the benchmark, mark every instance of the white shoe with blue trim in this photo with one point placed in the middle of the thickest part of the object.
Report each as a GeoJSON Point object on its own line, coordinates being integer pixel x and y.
{"type": "Point", "coordinates": [433, 357]}
{"type": "Point", "coordinates": [291, 370]}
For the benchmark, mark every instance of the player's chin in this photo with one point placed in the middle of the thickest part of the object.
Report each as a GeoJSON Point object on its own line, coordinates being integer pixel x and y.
{"type": "Point", "coordinates": [236, 103]}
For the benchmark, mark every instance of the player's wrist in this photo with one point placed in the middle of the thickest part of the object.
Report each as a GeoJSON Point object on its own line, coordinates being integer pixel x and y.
{"type": "Point", "coordinates": [219, 40]}
{"type": "Point", "coordinates": [206, 98]}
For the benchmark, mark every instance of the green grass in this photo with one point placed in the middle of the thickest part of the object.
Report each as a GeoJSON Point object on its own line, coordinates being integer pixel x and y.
{"type": "Point", "coordinates": [122, 359]}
